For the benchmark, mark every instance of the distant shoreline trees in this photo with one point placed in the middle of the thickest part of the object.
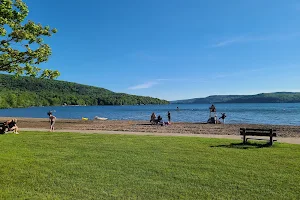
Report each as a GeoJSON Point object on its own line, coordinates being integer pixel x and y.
{"type": "Point", "coordinates": [30, 91]}
{"type": "Point", "coordinates": [276, 97]}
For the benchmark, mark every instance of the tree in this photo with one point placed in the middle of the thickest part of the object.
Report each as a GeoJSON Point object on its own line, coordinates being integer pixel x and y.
{"type": "Point", "coordinates": [11, 99]}
{"type": "Point", "coordinates": [22, 47]}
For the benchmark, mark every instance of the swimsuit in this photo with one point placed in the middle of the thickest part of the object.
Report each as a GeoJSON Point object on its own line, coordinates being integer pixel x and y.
{"type": "Point", "coordinates": [11, 124]}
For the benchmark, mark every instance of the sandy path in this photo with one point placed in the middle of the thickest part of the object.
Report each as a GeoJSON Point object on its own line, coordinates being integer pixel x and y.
{"type": "Point", "coordinates": [290, 140]}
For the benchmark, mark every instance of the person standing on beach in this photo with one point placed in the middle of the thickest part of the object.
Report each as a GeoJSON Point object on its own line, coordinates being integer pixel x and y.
{"type": "Point", "coordinates": [223, 117]}
{"type": "Point", "coordinates": [169, 116]}
{"type": "Point", "coordinates": [52, 119]}
{"type": "Point", "coordinates": [212, 108]}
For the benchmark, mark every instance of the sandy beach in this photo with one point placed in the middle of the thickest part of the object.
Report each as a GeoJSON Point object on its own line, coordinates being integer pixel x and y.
{"type": "Point", "coordinates": [146, 127]}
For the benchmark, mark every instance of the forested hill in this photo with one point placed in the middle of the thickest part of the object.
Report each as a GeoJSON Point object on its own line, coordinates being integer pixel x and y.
{"type": "Point", "coordinates": [277, 97]}
{"type": "Point", "coordinates": [29, 91]}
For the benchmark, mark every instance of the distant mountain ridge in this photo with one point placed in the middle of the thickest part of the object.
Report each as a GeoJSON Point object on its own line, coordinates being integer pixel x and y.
{"type": "Point", "coordinates": [29, 91]}
{"type": "Point", "coordinates": [276, 97]}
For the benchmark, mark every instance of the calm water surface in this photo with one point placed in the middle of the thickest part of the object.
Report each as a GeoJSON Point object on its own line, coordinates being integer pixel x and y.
{"type": "Point", "coordinates": [273, 113]}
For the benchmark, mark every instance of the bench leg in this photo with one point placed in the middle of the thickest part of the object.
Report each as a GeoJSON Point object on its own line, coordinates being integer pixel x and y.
{"type": "Point", "coordinates": [271, 140]}
{"type": "Point", "coordinates": [244, 139]}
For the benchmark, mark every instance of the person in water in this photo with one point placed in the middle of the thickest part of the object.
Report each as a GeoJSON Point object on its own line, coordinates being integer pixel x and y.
{"type": "Point", "coordinates": [52, 119]}
{"type": "Point", "coordinates": [169, 116]}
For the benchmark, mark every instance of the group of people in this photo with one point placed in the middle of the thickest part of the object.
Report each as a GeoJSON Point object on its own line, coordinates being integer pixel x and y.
{"type": "Point", "coordinates": [158, 120]}
{"type": "Point", "coordinates": [213, 116]}
{"type": "Point", "coordinates": [11, 125]}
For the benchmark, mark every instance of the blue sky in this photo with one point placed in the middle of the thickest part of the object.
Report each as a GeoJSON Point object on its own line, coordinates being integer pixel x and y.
{"type": "Point", "coordinates": [175, 49]}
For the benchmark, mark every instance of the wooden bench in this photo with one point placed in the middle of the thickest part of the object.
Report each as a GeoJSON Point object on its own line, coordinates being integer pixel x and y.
{"type": "Point", "coordinates": [257, 132]}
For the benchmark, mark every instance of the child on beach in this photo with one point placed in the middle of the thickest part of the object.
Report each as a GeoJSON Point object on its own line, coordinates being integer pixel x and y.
{"type": "Point", "coordinates": [52, 119]}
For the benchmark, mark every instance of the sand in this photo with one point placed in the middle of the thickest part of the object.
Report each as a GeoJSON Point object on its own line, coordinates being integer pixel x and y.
{"type": "Point", "coordinates": [285, 133]}
{"type": "Point", "coordinates": [146, 127]}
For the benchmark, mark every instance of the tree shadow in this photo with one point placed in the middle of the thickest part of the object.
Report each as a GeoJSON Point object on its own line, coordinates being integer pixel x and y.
{"type": "Point", "coordinates": [244, 146]}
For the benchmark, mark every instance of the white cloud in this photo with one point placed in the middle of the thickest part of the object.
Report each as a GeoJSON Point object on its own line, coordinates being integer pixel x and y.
{"type": "Point", "coordinates": [143, 86]}
{"type": "Point", "coordinates": [158, 81]}
{"type": "Point", "coordinates": [228, 42]}
{"type": "Point", "coordinates": [243, 39]}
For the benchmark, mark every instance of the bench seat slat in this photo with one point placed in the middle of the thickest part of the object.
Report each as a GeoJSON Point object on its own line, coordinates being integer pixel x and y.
{"type": "Point", "coordinates": [255, 129]}
{"type": "Point", "coordinates": [258, 134]}
{"type": "Point", "coordinates": [249, 138]}
{"type": "Point", "coordinates": [254, 132]}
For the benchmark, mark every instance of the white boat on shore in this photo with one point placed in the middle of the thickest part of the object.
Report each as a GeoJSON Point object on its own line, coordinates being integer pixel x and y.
{"type": "Point", "coordinates": [100, 118]}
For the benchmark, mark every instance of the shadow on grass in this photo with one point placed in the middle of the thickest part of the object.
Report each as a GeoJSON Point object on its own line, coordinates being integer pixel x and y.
{"type": "Point", "coordinates": [244, 146]}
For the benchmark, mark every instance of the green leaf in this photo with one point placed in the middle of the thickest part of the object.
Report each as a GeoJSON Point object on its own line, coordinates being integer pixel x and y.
{"type": "Point", "coordinates": [22, 61]}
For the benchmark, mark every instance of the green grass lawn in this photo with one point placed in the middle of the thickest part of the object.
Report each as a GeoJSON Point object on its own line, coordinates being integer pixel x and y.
{"type": "Point", "coordinates": [36, 165]}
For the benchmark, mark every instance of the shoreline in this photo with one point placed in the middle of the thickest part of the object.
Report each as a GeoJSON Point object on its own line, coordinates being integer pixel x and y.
{"type": "Point", "coordinates": [3, 118]}
{"type": "Point", "coordinates": [146, 127]}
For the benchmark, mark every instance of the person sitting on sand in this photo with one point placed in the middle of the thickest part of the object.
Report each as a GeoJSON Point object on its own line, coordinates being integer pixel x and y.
{"type": "Point", "coordinates": [153, 117]}
{"type": "Point", "coordinates": [159, 118]}
{"type": "Point", "coordinates": [52, 119]}
{"type": "Point", "coordinates": [11, 125]}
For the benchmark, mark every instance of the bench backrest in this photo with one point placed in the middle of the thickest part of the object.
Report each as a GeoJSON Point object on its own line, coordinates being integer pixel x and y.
{"type": "Point", "coordinates": [258, 132]}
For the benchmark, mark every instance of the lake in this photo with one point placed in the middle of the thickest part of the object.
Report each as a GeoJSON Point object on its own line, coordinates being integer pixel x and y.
{"type": "Point", "coordinates": [265, 113]}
